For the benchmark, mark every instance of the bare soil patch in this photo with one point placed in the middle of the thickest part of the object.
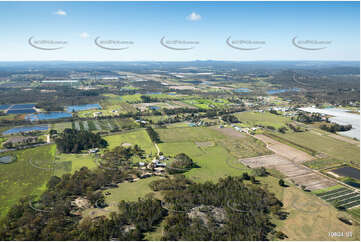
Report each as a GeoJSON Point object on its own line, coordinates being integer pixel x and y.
{"type": "Point", "coordinates": [285, 150]}
{"type": "Point", "coordinates": [297, 173]}
{"type": "Point", "coordinates": [230, 132]}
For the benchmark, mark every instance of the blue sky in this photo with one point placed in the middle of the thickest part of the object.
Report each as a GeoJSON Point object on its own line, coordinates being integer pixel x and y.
{"type": "Point", "coordinates": [274, 24]}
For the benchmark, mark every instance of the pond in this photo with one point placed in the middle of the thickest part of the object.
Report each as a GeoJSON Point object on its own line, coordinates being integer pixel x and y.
{"type": "Point", "coordinates": [21, 111]}
{"type": "Point", "coordinates": [240, 90]}
{"type": "Point", "coordinates": [275, 91]}
{"type": "Point", "coordinates": [46, 116]}
{"type": "Point", "coordinates": [7, 159]}
{"type": "Point", "coordinates": [76, 108]}
{"type": "Point", "coordinates": [4, 106]}
{"type": "Point", "coordinates": [23, 106]}
{"type": "Point", "coordinates": [342, 117]}
{"type": "Point", "coordinates": [154, 107]}
{"type": "Point", "coordinates": [348, 172]}
{"type": "Point", "coordinates": [26, 129]}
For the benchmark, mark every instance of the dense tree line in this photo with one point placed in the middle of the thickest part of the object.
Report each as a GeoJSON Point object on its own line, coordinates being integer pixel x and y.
{"type": "Point", "coordinates": [154, 136]}
{"type": "Point", "coordinates": [229, 118]}
{"type": "Point", "coordinates": [181, 163]}
{"type": "Point", "coordinates": [333, 128]}
{"type": "Point", "coordinates": [308, 119]}
{"type": "Point", "coordinates": [74, 141]}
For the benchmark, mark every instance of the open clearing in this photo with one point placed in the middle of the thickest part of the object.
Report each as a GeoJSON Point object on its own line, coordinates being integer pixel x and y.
{"type": "Point", "coordinates": [285, 150]}
{"type": "Point", "coordinates": [20, 178]}
{"type": "Point", "coordinates": [215, 153]}
{"type": "Point", "coordinates": [251, 119]}
{"type": "Point", "coordinates": [332, 147]}
{"type": "Point", "coordinates": [310, 218]}
{"type": "Point", "coordinates": [293, 171]}
{"type": "Point", "coordinates": [69, 163]}
{"type": "Point", "coordinates": [139, 137]}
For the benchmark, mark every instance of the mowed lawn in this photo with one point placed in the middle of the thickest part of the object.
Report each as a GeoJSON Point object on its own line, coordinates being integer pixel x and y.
{"type": "Point", "coordinates": [321, 143]}
{"type": "Point", "coordinates": [139, 137]}
{"type": "Point", "coordinates": [251, 119]}
{"type": "Point", "coordinates": [21, 178]}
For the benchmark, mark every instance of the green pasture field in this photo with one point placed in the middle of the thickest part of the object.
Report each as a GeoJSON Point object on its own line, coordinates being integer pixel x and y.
{"type": "Point", "coordinates": [69, 163]}
{"type": "Point", "coordinates": [131, 98]}
{"type": "Point", "coordinates": [61, 126]}
{"type": "Point", "coordinates": [334, 148]}
{"type": "Point", "coordinates": [251, 119]}
{"type": "Point", "coordinates": [205, 103]}
{"type": "Point", "coordinates": [23, 177]}
{"type": "Point", "coordinates": [215, 153]}
{"type": "Point", "coordinates": [139, 137]}
{"type": "Point", "coordinates": [186, 134]}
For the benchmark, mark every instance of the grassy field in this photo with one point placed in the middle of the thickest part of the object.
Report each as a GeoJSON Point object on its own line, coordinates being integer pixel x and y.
{"type": "Point", "coordinates": [310, 218]}
{"type": "Point", "coordinates": [124, 191]}
{"type": "Point", "coordinates": [355, 213]}
{"type": "Point", "coordinates": [194, 134]}
{"type": "Point", "coordinates": [214, 152]}
{"type": "Point", "coordinates": [69, 163]}
{"type": "Point", "coordinates": [206, 103]}
{"type": "Point", "coordinates": [21, 178]}
{"type": "Point", "coordinates": [139, 137]}
{"type": "Point", "coordinates": [251, 119]}
{"type": "Point", "coordinates": [332, 147]}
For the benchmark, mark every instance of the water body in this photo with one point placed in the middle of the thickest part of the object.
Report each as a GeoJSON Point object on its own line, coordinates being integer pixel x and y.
{"type": "Point", "coordinates": [240, 90]}
{"type": "Point", "coordinates": [348, 171]}
{"type": "Point", "coordinates": [77, 108]}
{"type": "Point", "coordinates": [23, 106]}
{"type": "Point", "coordinates": [342, 117]}
{"type": "Point", "coordinates": [4, 106]}
{"type": "Point", "coordinates": [46, 116]}
{"type": "Point", "coordinates": [153, 93]}
{"type": "Point", "coordinates": [21, 111]}
{"type": "Point", "coordinates": [7, 159]}
{"type": "Point", "coordinates": [275, 91]}
{"type": "Point", "coordinates": [154, 107]}
{"type": "Point", "coordinates": [25, 129]}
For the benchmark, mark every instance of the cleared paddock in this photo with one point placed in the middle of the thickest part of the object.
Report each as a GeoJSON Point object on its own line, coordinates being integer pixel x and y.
{"type": "Point", "coordinates": [295, 172]}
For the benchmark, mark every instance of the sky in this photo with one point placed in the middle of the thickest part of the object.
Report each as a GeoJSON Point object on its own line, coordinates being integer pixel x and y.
{"type": "Point", "coordinates": [189, 31]}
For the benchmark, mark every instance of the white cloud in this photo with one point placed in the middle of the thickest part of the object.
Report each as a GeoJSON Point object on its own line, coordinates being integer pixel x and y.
{"type": "Point", "coordinates": [194, 17]}
{"type": "Point", "coordinates": [84, 35]}
{"type": "Point", "coordinates": [60, 12]}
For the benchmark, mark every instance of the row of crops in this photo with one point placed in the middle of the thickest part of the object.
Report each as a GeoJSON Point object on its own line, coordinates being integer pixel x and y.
{"type": "Point", "coordinates": [103, 125]}
{"type": "Point", "coordinates": [342, 197]}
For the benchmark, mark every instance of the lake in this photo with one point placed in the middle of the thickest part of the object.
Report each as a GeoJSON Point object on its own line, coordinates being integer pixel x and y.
{"type": "Point", "coordinates": [46, 116]}
{"type": "Point", "coordinates": [342, 117]}
{"type": "Point", "coordinates": [4, 106]}
{"type": "Point", "coordinates": [348, 171]}
{"type": "Point", "coordinates": [21, 111]}
{"type": "Point", "coordinates": [240, 90]}
{"type": "Point", "coordinates": [77, 108]}
{"type": "Point", "coordinates": [275, 91]}
{"type": "Point", "coordinates": [26, 129]}
{"type": "Point", "coordinates": [23, 106]}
